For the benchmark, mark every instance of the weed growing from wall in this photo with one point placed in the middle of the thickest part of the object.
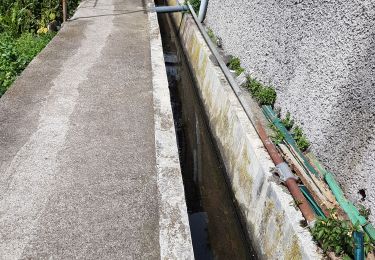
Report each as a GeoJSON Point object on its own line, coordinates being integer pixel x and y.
{"type": "Point", "coordinates": [235, 64]}
{"type": "Point", "coordinates": [278, 136]}
{"type": "Point", "coordinates": [365, 212]}
{"type": "Point", "coordinates": [212, 35]}
{"type": "Point", "coordinates": [264, 95]}
{"type": "Point", "coordinates": [300, 138]}
{"type": "Point", "coordinates": [288, 122]}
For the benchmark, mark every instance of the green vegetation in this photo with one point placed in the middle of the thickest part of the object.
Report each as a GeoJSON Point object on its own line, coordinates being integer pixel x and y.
{"type": "Point", "coordinates": [195, 4]}
{"type": "Point", "coordinates": [212, 36]}
{"type": "Point", "coordinates": [365, 212]}
{"type": "Point", "coordinates": [296, 131]}
{"type": "Point", "coordinates": [337, 236]}
{"type": "Point", "coordinates": [277, 136]}
{"type": "Point", "coordinates": [288, 122]}
{"type": "Point", "coordinates": [300, 138]}
{"type": "Point", "coordinates": [263, 95]}
{"type": "Point", "coordinates": [235, 64]}
{"type": "Point", "coordinates": [20, 16]}
{"type": "Point", "coordinates": [24, 33]}
{"type": "Point", "coordinates": [17, 53]}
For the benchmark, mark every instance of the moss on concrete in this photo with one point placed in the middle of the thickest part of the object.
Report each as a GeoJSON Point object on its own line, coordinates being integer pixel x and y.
{"type": "Point", "coordinates": [294, 251]}
{"type": "Point", "coordinates": [267, 211]}
{"type": "Point", "coordinates": [245, 179]}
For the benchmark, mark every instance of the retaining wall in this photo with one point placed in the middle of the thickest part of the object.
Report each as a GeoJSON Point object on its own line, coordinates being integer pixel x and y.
{"type": "Point", "coordinates": [272, 220]}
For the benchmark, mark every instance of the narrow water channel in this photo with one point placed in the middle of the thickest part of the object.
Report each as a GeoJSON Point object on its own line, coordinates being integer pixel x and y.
{"type": "Point", "coordinates": [216, 229]}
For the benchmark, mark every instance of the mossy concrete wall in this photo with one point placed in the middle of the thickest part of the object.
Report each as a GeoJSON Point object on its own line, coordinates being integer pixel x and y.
{"type": "Point", "coordinates": [272, 220]}
{"type": "Point", "coordinates": [320, 57]}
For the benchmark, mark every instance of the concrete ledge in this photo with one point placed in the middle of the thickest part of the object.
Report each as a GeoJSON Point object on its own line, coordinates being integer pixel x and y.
{"type": "Point", "coordinates": [272, 220]}
{"type": "Point", "coordinates": [174, 237]}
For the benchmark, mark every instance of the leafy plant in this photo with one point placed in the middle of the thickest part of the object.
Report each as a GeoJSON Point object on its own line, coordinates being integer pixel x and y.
{"type": "Point", "coordinates": [267, 96]}
{"type": "Point", "coordinates": [19, 16]}
{"type": "Point", "coordinates": [15, 55]}
{"type": "Point", "coordinates": [235, 64]}
{"type": "Point", "coordinates": [336, 235]}
{"type": "Point", "coordinates": [368, 244]}
{"type": "Point", "coordinates": [300, 138]}
{"type": "Point", "coordinates": [288, 122]}
{"type": "Point", "coordinates": [263, 95]}
{"type": "Point", "coordinates": [277, 136]}
{"type": "Point", "coordinates": [19, 20]}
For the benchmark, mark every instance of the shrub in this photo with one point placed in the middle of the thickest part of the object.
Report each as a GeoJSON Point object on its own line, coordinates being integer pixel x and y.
{"type": "Point", "coordinates": [19, 20]}
{"type": "Point", "coordinates": [15, 55]}
{"type": "Point", "coordinates": [336, 235]}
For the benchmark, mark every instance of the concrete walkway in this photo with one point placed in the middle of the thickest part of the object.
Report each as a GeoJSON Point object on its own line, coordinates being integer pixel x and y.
{"type": "Point", "coordinates": [88, 158]}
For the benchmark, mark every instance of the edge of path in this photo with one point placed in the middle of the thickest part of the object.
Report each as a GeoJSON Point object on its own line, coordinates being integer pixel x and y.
{"type": "Point", "coordinates": [174, 236]}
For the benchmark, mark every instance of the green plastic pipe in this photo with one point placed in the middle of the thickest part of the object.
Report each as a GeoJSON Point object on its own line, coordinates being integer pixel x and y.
{"type": "Point", "coordinates": [318, 211]}
{"type": "Point", "coordinates": [271, 115]}
{"type": "Point", "coordinates": [359, 252]}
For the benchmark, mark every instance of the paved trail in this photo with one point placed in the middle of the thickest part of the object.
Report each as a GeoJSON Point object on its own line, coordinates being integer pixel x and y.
{"type": "Point", "coordinates": [79, 171]}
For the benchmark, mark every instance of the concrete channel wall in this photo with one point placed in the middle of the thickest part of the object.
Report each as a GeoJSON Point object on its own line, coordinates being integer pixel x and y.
{"type": "Point", "coordinates": [320, 57]}
{"type": "Point", "coordinates": [273, 223]}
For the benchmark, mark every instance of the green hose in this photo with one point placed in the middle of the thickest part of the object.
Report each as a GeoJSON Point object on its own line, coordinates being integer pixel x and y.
{"type": "Point", "coordinates": [271, 115]}
{"type": "Point", "coordinates": [318, 211]}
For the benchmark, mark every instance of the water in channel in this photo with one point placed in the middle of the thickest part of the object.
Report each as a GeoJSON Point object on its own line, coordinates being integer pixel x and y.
{"type": "Point", "coordinates": [215, 226]}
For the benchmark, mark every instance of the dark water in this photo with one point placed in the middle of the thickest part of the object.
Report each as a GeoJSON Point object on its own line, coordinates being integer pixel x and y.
{"type": "Point", "coordinates": [215, 226]}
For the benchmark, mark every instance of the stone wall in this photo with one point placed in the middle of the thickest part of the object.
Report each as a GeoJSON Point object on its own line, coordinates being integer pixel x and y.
{"type": "Point", "coordinates": [320, 57]}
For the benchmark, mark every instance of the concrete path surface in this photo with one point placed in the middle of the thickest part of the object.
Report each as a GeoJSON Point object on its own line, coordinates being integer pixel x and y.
{"type": "Point", "coordinates": [88, 158]}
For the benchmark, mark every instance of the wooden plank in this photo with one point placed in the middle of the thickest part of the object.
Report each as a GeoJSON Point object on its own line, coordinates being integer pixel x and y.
{"type": "Point", "coordinates": [307, 181]}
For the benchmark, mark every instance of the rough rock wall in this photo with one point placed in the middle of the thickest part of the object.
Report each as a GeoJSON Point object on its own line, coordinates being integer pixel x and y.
{"type": "Point", "coordinates": [320, 57]}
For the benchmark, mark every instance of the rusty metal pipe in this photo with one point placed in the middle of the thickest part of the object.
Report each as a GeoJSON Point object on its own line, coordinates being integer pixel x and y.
{"type": "Point", "coordinates": [65, 12]}
{"type": "Point", "coordinates": [287, 176]}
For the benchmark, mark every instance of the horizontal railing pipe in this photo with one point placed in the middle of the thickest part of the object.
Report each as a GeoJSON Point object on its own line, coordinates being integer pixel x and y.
{"type": "Point", "coordinates": [171, 9]}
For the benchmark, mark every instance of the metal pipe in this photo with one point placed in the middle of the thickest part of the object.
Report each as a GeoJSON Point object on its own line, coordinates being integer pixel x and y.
{"type": "Point", "coordinates": [287, 176]}
{"type": "Point", "coordinates": [65, 12]}
{"type": "Point", "coordinates": [202, 10]}
{"type": "Point", "coordinates": [170, 9]}
{"type": "Point", "coordinates": [228, 75]}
